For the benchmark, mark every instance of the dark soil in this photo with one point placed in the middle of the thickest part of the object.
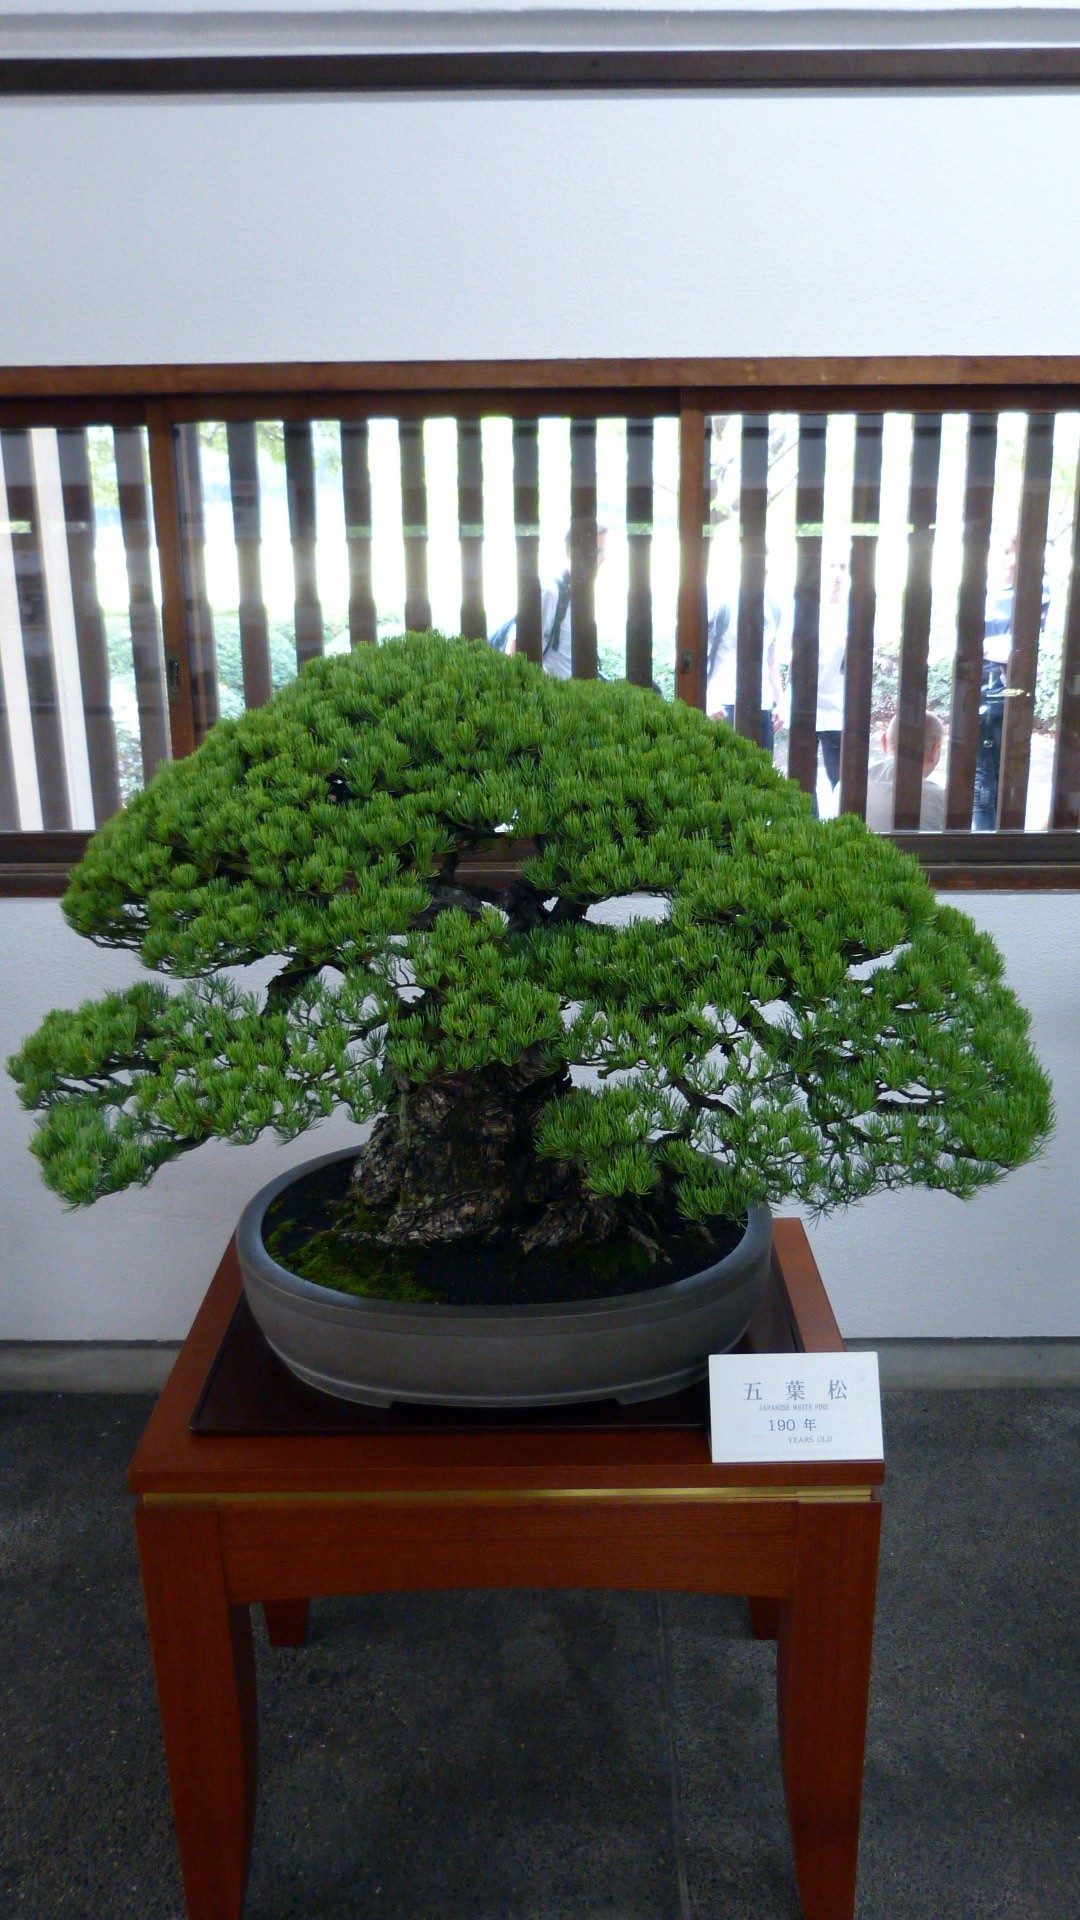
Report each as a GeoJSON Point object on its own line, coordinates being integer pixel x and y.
{"type": "Point", "coordinates": [303, 1231]}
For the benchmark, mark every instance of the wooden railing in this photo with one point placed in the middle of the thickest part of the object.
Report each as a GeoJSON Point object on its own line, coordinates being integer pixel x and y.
{"type": "Point", "coordinates": [96, 461]}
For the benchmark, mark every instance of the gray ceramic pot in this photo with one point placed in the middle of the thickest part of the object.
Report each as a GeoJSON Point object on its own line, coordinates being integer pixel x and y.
{"type": "Point", "coordinates": [633, 1346]}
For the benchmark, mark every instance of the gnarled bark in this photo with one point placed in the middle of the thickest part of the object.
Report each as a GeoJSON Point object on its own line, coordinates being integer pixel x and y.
{"type": "Point", "coordinates": [456, 1157]}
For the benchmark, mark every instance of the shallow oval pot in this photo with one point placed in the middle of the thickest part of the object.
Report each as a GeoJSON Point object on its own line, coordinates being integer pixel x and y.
{"type": "Point", "coordinates": [633, 1346]}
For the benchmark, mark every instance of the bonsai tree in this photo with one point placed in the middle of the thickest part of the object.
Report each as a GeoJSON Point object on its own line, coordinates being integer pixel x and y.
{"type": "Point", "coordinates": [420, 837]}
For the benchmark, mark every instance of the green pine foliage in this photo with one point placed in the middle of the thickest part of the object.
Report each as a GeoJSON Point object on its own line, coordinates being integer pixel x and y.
{"type": "Point", "coordinates": [804, 1020]}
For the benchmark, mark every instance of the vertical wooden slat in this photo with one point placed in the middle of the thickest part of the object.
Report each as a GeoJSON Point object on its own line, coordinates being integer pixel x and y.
{"type": "Point", "coordinates": [862, 607]}
{"type": "Point", "coordinates": [202, 651]}
{"type": "Point", "coordinates": [34, 624]}
{"type": "Point", "coordinates": [300, 492]}
{"type": "Point", "coordinates": [60, 615]}
{"type": "Point", "coordinates": [1065, 781]}
{"type": "Point", "coordinates": [753, 506]}
{"type": "Point", "coordinates": [971, 619]}
{"type": "Point", "coordinates": [691, 617]}
{"type": "Point", "coordinates": [356, 487]}
{"type": "Point", "coordinates": [583, 549]}
{"type": "Point", "coordinates": [148, 658]}
{"type": "Point", "coordinates": [242, 440]}
{"type": "Point", "coordinates": [915, 629]}
{"type": "Point", "coordinates": [93, 649]}
{"type": "Point", "coordinates": [9, 809]}
{"type": "Point", "coordinates": [710, 519]}
{"type": "Point", "coordinates": [1027, 617]}
{"type": "Point", "coordinates": [20, 799]}
{"type": "Point", "coordinates": [165, 489]}
{"type": "Point", "coordinates": [639, 530]}
{"type": "Point", "coordinates": [527, 537]}
{"type": "Point", "coordinates": [414, 525]}
{"type": "Point", "coordinates": [470, 483]}
{"type": "Point", "coordinates": [809, 515]}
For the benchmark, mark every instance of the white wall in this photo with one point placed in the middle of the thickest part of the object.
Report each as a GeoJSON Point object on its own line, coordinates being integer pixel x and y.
{"type": "Point", "coordinates": [1006, 1264]}
{"type": "Point", "coordinates": [560, 226]}
{"type": "Point", "coordinates": [135, 1266]}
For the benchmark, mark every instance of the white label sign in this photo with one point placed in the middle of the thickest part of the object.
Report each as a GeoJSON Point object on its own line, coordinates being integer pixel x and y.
{"type": "Point", "coordinates": [795, 1406]}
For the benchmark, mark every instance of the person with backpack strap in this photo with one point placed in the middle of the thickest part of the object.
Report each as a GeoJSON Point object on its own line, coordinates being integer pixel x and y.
{"type": "Point", "coordinates": [556, 633]}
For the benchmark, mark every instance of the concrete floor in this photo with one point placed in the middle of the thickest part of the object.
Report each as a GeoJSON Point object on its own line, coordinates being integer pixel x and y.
{"type": "Point", "coordinates": [572, 1756]}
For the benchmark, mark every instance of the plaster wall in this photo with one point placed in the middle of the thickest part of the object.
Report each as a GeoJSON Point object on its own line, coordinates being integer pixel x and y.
{"type": "Point", "coordinates": [908, 1265]}
{"type": "Point", "coordinates": [404, 228]}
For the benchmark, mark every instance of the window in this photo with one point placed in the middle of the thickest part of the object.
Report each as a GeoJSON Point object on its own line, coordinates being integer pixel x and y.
{"type": "Point", "coordinates": [883, 597]}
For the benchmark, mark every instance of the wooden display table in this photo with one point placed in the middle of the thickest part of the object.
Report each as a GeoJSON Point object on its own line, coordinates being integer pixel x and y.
{"type": "Point", "coordinates": [597, 1498]}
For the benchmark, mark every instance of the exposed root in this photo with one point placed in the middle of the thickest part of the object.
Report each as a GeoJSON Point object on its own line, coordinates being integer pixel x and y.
{"type": "Point", "coordinates": [456, 1159]}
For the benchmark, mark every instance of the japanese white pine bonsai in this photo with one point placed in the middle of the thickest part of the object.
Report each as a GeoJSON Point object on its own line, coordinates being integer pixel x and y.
{"type": "Point", "coordinates": [794, 1016]}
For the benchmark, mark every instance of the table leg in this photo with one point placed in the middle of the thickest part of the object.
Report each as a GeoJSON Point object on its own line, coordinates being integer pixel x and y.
{"type": "Point", "coordinates": [286, 1622]}
{"type": "Point", "coordinates": [204, 1665]}
{"type": "Point", "coordinates": [823, 1683]}
{"type": "Point", "coordinates": [764, 1618]}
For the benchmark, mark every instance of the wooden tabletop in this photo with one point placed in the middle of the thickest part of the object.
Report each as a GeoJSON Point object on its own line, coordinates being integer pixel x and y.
{"type": "Point", "coordinates": [172, 1465]}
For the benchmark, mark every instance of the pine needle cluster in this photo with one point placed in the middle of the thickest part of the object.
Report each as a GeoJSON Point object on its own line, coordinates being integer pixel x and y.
{"type": "Point", "coordinates": [792, 1015]}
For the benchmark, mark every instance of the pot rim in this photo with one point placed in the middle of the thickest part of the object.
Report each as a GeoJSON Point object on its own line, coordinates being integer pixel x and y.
{"type": "Point", "coordinates": [676, 1295]}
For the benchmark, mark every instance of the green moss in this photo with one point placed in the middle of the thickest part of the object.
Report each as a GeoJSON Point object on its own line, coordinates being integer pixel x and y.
{"type": "Point", "coordinates": [369, 1272]}
{"type": "Point", "coordinates": [470, 1273]}
{"type": "Point", "coordinates": [315, 1228]}
{"type": "Point", "coordinates": [302, 1231]}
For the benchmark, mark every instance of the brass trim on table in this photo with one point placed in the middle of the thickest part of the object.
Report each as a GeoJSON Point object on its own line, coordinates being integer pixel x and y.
{"type": "Point", "coordinates": [525, 1496]}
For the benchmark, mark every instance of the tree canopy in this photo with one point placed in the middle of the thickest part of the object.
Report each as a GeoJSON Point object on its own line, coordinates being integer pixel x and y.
{"type": "Point", "coordinates": [793, 1014]}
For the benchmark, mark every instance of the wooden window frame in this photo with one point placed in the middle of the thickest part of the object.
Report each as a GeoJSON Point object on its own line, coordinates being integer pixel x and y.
{"type": "Point", "coordinates": [534, 70]}
{"type": "Point", "coordinates": [163, 397]}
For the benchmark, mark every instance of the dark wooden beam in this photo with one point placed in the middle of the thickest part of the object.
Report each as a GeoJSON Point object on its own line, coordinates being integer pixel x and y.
{"type": "Point", "coordinates": [1002, 862]}
{"type": "Point", "coordinates": [782, 383]}
{"type": "Point", "coordinates": [561, 70]}
{"type": "Point", "coordinates": [39, 864]}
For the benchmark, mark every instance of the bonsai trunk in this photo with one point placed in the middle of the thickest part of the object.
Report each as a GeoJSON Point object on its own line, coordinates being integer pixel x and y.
{"type": "Point", "coordinates": [456, 1157]}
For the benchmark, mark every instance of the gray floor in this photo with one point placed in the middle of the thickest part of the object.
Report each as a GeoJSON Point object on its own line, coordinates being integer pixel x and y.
{"type": "Point", "coordinates": [561, 1757]}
